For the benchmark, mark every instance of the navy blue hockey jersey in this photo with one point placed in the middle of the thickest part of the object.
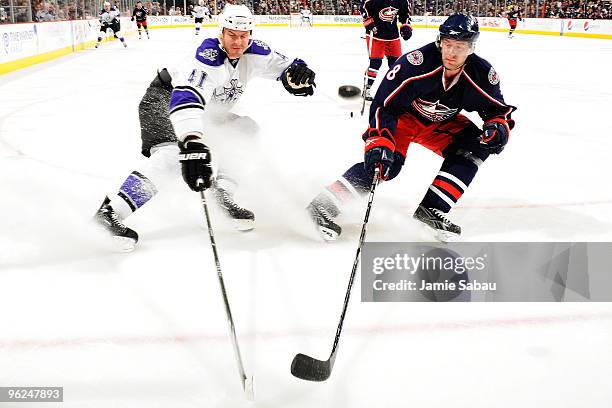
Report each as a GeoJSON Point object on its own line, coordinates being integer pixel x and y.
{"type": "Point", "coordinates": [140, 14]}
{"type": "Point", "coordinates": [416, 85]}
{"type": "Point", "coordinates": [386, 14]}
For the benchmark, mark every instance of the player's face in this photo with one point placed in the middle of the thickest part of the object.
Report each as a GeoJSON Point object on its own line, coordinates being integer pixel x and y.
{"type": "Point", "coordinates": [138, 5]}
{"type": "Point", "coordinates": [107, 7]}
{"type": "Point", "coordinates": [454, 53]}
{"type": "Point", "coordinates": [235, 42]}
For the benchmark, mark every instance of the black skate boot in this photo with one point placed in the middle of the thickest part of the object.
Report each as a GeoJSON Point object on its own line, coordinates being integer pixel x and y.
{"type": "Point", "coordinates": [244, 219]}
{"type": "Point", "coordinates": [323, 211]}
{"type": "Point", "coordinates": [436, 219]}
{"type": "Point", "coordinates": [125, 238]}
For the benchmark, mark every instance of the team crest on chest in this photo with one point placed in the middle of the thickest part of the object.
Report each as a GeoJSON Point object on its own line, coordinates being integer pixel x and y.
{"type": "Point", "coordinates": [388, 14]}
{"type": "Point", "coordinates": [209, 54]}
{"type": "Point", "coordinates": [228, 93]}
{"type": "Point", "coordinates": [415, 57]}
{"type": "Point", "coordinates": [434, 111]}
{"type": "Point", "coordinates": [493, 77]}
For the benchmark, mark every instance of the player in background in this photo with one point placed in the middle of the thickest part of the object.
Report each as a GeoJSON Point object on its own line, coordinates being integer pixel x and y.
{"type": "Point", "coordinates": [513, 15]}
{"type": "Point", "coordinates": [380, 19]}
{"type": "Point", "coordinates": [199, 12]}
{"type": "Point", "coordinates": [140, 14]}
{"type": "Point", "coordinates": [109, 19]}
{"type": "Point", "coordinates": [306, 16]}
{"type": "Point", "coordinates": [419, 101]}
{"type": "Point", "coordinates": [213, 79]}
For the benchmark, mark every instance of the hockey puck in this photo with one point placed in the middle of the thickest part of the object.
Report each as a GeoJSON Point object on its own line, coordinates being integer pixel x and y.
{"type": "Point", "coordinates": [351, 114]}
{"type": "Point", "coordinates": [349, 91]}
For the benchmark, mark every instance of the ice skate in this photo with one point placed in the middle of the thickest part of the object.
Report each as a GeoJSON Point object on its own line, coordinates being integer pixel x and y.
{"type": "Point", "coordinates": [323, 211]}
{"type": "Point", "coordinates": [244, 220]}
{"type": "Point", "coordinates": [125, 238]}
{"type": "Point", "coordinates": [435, 219]}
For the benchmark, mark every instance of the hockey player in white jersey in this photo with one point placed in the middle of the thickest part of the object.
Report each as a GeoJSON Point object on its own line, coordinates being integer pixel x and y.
{"type": "Point", "coordinates": [109, 19]}
{"type": "Point", "coordinates": [199, 12]}
{"type": "Point", "coordinates": [172, 111]}
{"type": "Point", "coordinates": [306, 16]}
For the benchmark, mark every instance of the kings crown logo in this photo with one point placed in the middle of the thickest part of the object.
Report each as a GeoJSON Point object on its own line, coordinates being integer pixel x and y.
{"type": "Point", "coordinates": [261, 44]}
{"type": "Point", "coordinates": [209, 54]}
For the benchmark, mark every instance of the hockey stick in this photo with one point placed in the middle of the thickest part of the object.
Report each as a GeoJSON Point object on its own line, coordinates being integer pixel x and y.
{"type": "Point", "coordinates": [365, 77]}
{"type": "Point", "coordinates": [311, 369]}
{"type": "Point", "coordinates": [247, 382]}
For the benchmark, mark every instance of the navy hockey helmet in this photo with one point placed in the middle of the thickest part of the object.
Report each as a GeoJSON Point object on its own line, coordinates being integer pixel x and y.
{"type": "Point", "coordinates": [460, 27]}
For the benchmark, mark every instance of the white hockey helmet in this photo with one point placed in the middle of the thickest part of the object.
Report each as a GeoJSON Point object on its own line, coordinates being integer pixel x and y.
{"type": "Point", "coordinates": [236, 17]}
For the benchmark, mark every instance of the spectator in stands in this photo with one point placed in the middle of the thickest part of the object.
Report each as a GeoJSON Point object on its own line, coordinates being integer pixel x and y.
{"type": "Point", "coordinates": [45, 13]}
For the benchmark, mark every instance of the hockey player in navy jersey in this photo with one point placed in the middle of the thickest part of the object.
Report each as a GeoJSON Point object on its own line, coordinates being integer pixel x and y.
{"type": "Point", "coordinates": [419, 102]}
{"type": "Point", "coordinates": [140, 13]}
{"type": "Point", "coordinates": [513, 15]}
{"type": "Point", "coordinates": [380, 18]}
{"type": "Point", "coordinates": [173, 124]}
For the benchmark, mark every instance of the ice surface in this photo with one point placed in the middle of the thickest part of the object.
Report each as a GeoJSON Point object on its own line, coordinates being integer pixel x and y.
{"type": "Point", "coordinates": [147, 329]}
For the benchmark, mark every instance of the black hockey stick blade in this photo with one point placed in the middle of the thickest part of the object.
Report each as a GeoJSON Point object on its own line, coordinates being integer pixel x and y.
{"type": "Point", "coordinates": [310, 369]}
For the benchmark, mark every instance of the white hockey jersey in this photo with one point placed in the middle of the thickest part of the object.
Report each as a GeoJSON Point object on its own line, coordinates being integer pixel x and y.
{"type": "Point", "coordinates": [200, 11]}
{"type": "Point", "coordinates": [211, 79]}
{"type": "Point", "coordinates": [108, 17]}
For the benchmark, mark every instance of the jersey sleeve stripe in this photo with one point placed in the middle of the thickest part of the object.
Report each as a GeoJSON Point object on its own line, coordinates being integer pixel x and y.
{"type": "Point", "coordinates": [192, 90]}
{"type": "Point", "coordinates": [186, 106]}
{"type": "Point", "coordinates": [489, 97]}
{"type": "Point", "coordinates": [367, 13]}
{"type": "Point", "coordinates": [406, 81]}
{"type": "Point", "coordinates": [182, 98]}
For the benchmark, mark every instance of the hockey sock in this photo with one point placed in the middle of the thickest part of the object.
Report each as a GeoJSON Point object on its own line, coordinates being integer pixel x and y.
{"type": "Point", "coordinates": [352, 184]}
{"type": "Point", "coordinates": [375, 64]}
{"type": "Point", "coordinates": [135, 192]}
{"type": "Point", "coordinates": [456, 174]}
{"type": "Point", "coordinates": [391, 61]}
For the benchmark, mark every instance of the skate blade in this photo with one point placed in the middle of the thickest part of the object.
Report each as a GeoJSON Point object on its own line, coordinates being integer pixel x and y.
{"type": "Point", "coordinates": [445, 236]}
{"type": "Point", "coordinates": [124, 244]}
{"type": "Point", "coordinates": [244, 225]}
{"type": "Point", "coordinates": [328, 235]}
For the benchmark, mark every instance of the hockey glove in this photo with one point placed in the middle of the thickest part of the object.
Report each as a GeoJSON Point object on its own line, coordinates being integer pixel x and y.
{"type": "Point", "coordinates": [298, 79]}
{"type": "Point", "coordinates": [495, 135]}
{"type": "Point", "coordinates": [406, 31]}
{"type": "Point", "coordinates": [370, 25]}
{"type": "Point", "coordinates": [132, 19]}
{"type": "Point", "coordinates": [195, 161]}
{"type": "Point", "coordinates": [379, 148]}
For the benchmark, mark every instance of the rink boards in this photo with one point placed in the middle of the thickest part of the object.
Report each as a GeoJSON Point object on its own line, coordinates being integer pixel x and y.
{"type": "Point", "coordinates": [27, 44]}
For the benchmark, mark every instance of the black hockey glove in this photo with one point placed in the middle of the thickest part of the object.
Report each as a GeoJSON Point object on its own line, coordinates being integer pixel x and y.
{"type": "Point", "coordinates": [495, 135]}
{"type": "Point", "coordinates": [195, 161]}
{"type": "Point", "coordinates": [298, 79]}
{"type": "Point", "coordinates": [379, 148]}
{"type": "Point", "coordinates": [406, 31]}
{"type": "Point", "coordinates": [370, 25]}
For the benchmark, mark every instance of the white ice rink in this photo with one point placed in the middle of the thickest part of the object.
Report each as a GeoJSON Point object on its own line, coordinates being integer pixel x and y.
{"type": "Point", "coordinates": [147, 329]}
